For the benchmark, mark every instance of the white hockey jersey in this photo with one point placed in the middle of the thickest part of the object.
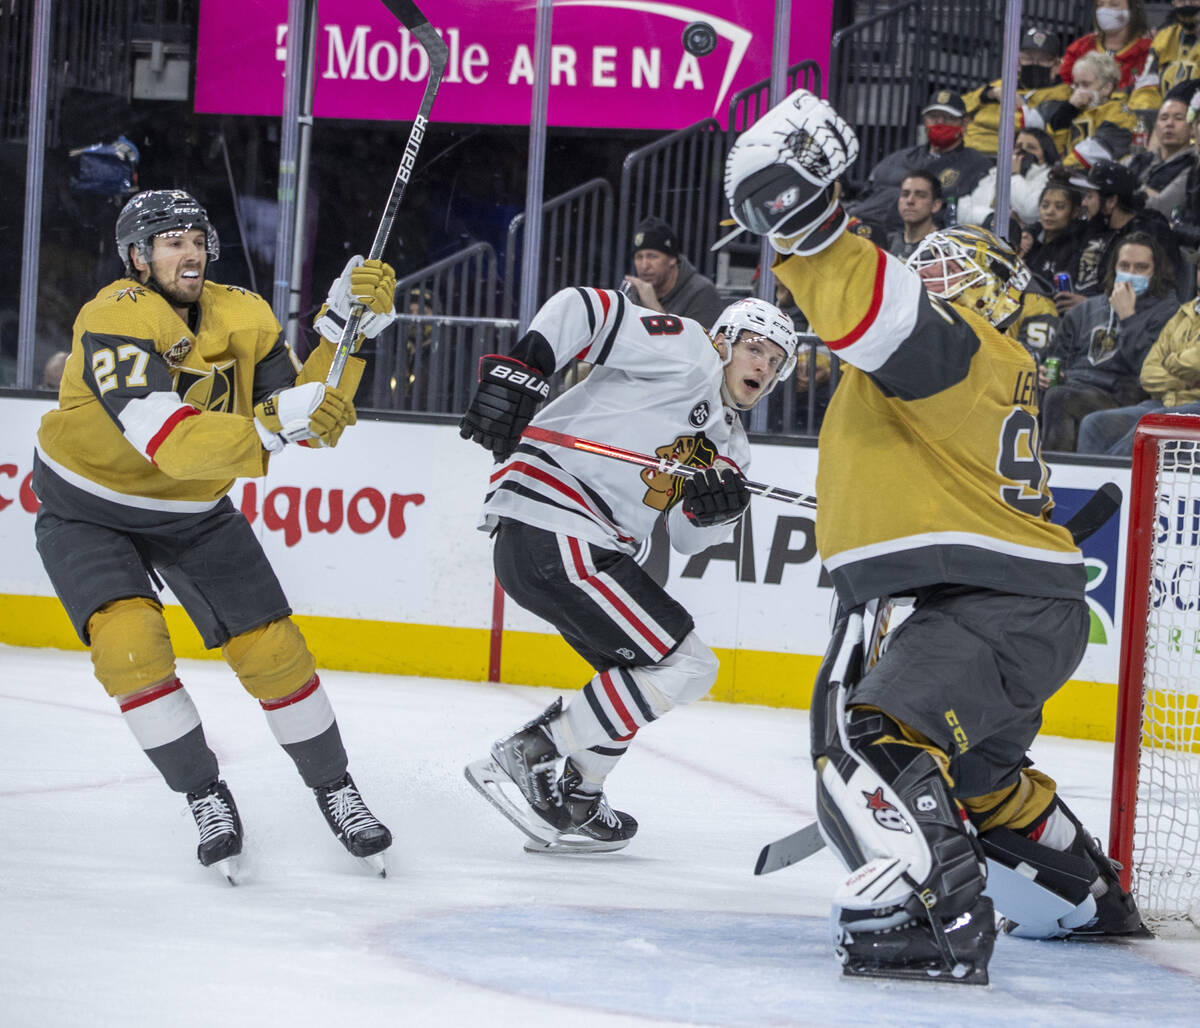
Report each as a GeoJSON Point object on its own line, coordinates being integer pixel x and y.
{"type": "Point", "coordinates": [655, 388]}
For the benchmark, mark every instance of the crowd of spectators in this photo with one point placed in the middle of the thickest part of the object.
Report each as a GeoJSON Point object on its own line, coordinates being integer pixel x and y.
{"type": "Point", "coordinates": [1105, 204]}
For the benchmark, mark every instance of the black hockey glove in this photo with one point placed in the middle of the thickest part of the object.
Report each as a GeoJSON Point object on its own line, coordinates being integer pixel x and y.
{"type": "Point", "coordinates": [504, 403]}
{"type": "Point", "coordinates": [715, 496]}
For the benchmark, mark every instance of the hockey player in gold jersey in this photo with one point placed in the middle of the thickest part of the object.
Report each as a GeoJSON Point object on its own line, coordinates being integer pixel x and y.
{"type": "Point", "coordinates": [930, 486]}
{"type": "Point", "coordinates": [174, 387]}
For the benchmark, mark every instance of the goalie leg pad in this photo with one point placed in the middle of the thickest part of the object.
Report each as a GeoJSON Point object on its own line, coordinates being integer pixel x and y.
{"type": "Point", "coordinates": [271, 661]}
{"type": "Point", "coordinates": [131, 649]}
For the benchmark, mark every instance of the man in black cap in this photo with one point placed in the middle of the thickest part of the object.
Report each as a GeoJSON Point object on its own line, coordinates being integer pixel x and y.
{"type": "Point", "coordinates": [664, 280]}
{"type": "Point", "coordinates": [958, 169]}
{"type": "Point", "coordinates": [1037, 82]}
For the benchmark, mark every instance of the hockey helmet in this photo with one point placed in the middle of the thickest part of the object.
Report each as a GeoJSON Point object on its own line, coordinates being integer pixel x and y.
{"type": "Point", "coordinates": [759, 318]}
{"type": "Point", "coordinates": [156, 211]}
{"type": "Point", "coordinates": [974, 268]}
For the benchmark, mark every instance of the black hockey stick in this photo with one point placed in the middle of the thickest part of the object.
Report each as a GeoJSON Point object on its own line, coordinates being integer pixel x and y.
{"type": "Point", "coordinates": [411, 18]}
{"type": "Point", "coordinates": [806, 841]}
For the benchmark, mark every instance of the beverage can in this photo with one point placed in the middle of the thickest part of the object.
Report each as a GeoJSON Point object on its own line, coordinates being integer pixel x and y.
{"type": "Point", "coordinates": [1053, 368]}
{"type": "Point", "coordinates": [1062, 282]}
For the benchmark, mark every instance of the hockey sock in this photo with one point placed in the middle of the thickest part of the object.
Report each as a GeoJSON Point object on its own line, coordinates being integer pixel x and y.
{"type": "Point", "coordinates": [596, 763]}
{"type": "Point", "coordinates": [304, 725]}
{"type": "Point", "coordinates": [610, 709]}
{"type": "Point", "coordinates": [166, 724]}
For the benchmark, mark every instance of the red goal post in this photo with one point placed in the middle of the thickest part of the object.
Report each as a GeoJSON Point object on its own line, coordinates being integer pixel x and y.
{"type": "Point", "coordinates": [1154, 830]}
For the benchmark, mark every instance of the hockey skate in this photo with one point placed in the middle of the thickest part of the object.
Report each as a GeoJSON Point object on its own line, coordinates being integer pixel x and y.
{"type": "Point", "coordinates": [220, 828]}
{"type": "Point", "coordinates": [593, 826]}
{"type": "Point", "coordinates": [363, 835]}
{"type": "Point", "coordinates": [518, 779]}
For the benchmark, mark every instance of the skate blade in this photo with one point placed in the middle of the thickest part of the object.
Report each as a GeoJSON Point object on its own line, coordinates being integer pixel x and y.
{"type": "Point", "coordinates": [960, 974]}
{"type": "Point", "coordinates": [490, 779]}
{"type": "Point", "coordinates": [375, 863]}
{"type": "Point", "coordinates": [567, 845]}
{"type": "Point", "coordinates": [229, 867]}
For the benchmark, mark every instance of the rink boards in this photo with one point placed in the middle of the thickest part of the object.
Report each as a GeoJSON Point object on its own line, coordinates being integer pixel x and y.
{"type": "Point", "coordinates": [376, 545]}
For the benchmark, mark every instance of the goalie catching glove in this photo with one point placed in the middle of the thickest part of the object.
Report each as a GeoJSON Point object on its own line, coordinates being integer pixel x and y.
{"type": "Point", "coordinates": [370, 283]}
{"type": "Point", "coordinates": [504, 403]}
{"type": "Point", "coordinates": [716, 495]}
{"type": "Point", "coordinates": [312, 414]}
{"type": "Point", "coordinates": [781, 173]}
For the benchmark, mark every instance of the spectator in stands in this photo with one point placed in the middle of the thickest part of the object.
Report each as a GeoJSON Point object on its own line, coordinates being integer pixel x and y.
{"type": "Point", "coordinates": [52, 371]}
{"type": "Point", "coordinates": [1058, 234]}
{"type": "Point", "coordinates": [1162, 169]}
{"type": "Point", "coordinates": [1034, 154]}
{"type": "Point", "coordinates": [1104, 340]}
{"type": "Point", "coordinates": [1100, 124]}
{"type": "Point", "coordinates": [957, 168]}
{"type": "Point", "coordinates": [1175, 52]}
{"type": "Point", "coordinates": [1037, 81]}
{"type": "Point", "coordinates": [667, 281]}
{"type": "Point", "coordinates": [1170, 374]}
{"type": "Point", "coordinates": [919, 203]}
{"type": "Point", "coordinates": [1121, 30]}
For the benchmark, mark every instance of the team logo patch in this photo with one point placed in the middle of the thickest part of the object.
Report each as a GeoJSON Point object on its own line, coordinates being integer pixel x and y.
{"type": "Point", "coordinates": [664, 490]}
{"type": "Point", "coordinates": [177, 353]}
{"type": "Point", "coordinates": [625, 653]}
{"type": "Point", "coordinates": [130, 293]}
{"type": "Point", "coordinates": [212, 389]}
{"type": "Point", "coordinates": [784, 201]}
{"type": "Point", "coordinates": [237, 289]}
{"type": "Point", "coordinates": [699, 415]}
{"type": "Point", "coordinates": [886, 815]}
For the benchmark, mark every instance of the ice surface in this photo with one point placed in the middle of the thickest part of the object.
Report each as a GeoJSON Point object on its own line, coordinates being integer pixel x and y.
{"type": "Point", "coordinates": [107, 918]}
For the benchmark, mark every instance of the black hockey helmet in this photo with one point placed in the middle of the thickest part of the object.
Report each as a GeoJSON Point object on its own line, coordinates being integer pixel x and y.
{"type": "Point", "coordinates": [155, 211]}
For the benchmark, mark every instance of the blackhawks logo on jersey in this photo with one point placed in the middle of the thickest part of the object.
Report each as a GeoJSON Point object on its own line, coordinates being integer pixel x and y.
{"type": "Point", "coordinates": [664, 491]}
{"type": "Point", "coordinates": [211, 389]}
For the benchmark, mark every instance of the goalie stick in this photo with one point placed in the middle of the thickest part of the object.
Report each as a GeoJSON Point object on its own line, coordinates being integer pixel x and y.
{"type": "Point", "coordinates": [410, 16]}
{"type": "Point", "coordinates": [806, 841]}
{"type": "Point", "coordinates": [660, 464]}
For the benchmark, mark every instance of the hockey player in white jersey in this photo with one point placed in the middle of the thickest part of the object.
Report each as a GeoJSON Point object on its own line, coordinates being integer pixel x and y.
{"type": "Point", "coordinates": [567, 525]}
{"type": "Point", "coordinates": [930, 485]}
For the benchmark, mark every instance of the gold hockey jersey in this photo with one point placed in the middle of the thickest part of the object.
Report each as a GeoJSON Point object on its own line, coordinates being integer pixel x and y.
{"type": "Point", "coordinates": [154, 414]}
{"type": "Point", "coordinates": [929, 469]}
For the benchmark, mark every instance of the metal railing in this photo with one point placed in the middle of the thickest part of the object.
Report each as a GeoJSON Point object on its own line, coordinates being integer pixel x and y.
{"type": "Point", "coordinates": [427, 360]}
{"type": "Point", "coordinates": [677, 178]}
{"type": "Point", "coordinates": [576, 242]}
{"type": "Point", "coordinates": [749, 104]}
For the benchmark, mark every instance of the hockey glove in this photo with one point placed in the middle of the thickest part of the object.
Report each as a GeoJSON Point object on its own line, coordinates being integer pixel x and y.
{"type": "Point", "coordinates": [715, 496]}
{"type": "Point", "coordinates": [310, 414]}
{"type": "Point", "coordinates": [504, 403]}
{"type": "Point", "coordinates": [371, 283]}
{"type": "Point", "coordinates": [781, 172]}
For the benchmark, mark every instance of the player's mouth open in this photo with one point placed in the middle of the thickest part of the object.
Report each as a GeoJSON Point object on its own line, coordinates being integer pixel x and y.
{"type": "Point", "coordinates": [751, 383]}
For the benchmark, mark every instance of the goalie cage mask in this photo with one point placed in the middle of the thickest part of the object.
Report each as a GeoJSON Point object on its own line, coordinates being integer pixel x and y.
{"type": "Point", "coordinates": [762, 319]}
{"type": "Point", "coordinates": [975, 269]}
{"type": "Point", "coordinates": [156, 211]}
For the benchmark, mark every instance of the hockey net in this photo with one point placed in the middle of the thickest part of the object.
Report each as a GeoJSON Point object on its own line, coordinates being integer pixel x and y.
{"type": "Point", "coordinates": [1155, 825]}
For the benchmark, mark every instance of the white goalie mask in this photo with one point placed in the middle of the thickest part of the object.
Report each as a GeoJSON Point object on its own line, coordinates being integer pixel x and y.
{"type": "Point", "coordinates": [762, 319]}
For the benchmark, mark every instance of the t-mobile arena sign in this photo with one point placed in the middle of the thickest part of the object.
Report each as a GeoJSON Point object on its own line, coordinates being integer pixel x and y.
{"type": "Point", "coordinates": [613, 63]}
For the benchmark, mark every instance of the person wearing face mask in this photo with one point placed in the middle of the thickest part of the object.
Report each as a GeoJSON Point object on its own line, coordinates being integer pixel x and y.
{"type": "Point", "coordinates": [1122, 31]}
{"type": "Point", "coordinates": [1162, 169]}
{"type": "Point", "coordinates": [1037, 82]}
{"type": "Point", "coordinates": [957, 168]}
{"type": "Point", "coordinates": [1103, 341]}
{"type": "Point", "coordinates": [1170, 374]}
{"type": "Point", "coordinates": [1174, 54]}
{"type": "Point", "coordinates": [1034, 154]}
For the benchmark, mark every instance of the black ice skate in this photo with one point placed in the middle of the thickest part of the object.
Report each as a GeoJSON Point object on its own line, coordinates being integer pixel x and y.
{"type": "Point", "coordinates": [1116, 912]}
{"type": "Point", "coordinates": [358, 829]}
{"type": "Point", "coordinates": [594, 827]}
{"type": "Point", "coordinates": [220, 828]}
{"type": "Point", "coordinates": [518, 779]}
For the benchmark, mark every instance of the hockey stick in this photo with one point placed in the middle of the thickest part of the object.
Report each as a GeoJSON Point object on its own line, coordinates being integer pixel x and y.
{"type": "Point", "coordinates": [659, 464]}
{"type": "Point", "coordinates": [410, 16]}
{"type": "Point", "coordinates": [806, 841]}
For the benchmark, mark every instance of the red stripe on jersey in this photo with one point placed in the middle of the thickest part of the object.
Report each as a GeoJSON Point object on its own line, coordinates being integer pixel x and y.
{"type": "Point", "coordinates": [622, 711]}
{"type": "Point", "coordinates": [160, 437]}
{"type": "Point", "coordinates": [548, 479]}
{"type": "Point", "coordinates": [605, 303]}
{"type": "Point", "coordinates": [295, 697]}
{"type": "Point", "coordinates": [868, 320]}
{"type": "Point", "coordinates": [150, 695]}
{"type": "Point", "coordinates": [601, 587]}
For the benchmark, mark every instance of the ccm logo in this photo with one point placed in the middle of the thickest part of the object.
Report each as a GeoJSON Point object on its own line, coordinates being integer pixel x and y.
{"type": "Point", "coordinates": [519, 377]}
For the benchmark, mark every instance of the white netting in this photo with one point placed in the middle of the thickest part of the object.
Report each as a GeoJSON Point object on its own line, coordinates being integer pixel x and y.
{"type": "Point", "coordinates": [1166, 843]}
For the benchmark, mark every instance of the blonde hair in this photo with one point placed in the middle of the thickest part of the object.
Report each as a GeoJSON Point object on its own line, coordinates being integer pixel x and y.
{"type": "Point", "coordinates": [1104, 66]}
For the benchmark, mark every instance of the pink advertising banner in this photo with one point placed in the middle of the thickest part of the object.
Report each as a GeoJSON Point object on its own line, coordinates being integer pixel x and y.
{"type": "Point", "coordinates": [614, 63]}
